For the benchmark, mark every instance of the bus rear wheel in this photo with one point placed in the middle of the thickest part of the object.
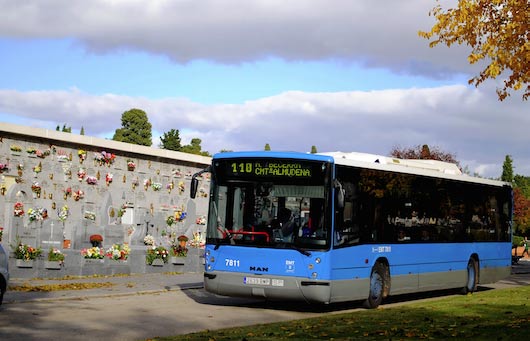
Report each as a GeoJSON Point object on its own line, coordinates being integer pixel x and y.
{"type": "Point", "coordinates": [378, 282]}
{"type": "Point", "coordinates": [472, 277]}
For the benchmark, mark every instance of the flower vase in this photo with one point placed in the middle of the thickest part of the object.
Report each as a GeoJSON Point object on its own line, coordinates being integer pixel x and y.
{"type": "Point", "coordinates": [52, 264]}
{"type": "Point", "coordinates": [21, 263]}
{"type": "Point", "coordinates": [157, 262]}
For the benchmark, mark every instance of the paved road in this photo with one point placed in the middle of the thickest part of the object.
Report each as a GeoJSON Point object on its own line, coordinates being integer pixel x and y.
{"type": "Point", "coordinates": [139, 307]}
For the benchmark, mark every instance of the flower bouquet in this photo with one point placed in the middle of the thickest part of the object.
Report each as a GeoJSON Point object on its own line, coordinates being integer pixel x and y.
{"type": "Point", "coordinates": [178, 246]}
{"type": "Point", "coordinates": [63, 213]}
{"type": "Point", "coordinates": [155, 253]}
{"type": "Point", "coordinates": [170, 220]}
{"type": "Point", "coordinates": [131, 165]}
{"type": "Point", "coordinates": [18, 210]}
{"type": "Point", "coordinates": [3, 167]}
{"type": "Point", "coordinates": [37, 214]}
{"type": "Point", "coordinates": [79, 194]}
{"type": "Point", "coordinates": [82, 155]}
{"type": "Point", "coordinates": [27, 252]}
{"type": "Point", "coordinates": [149, 240]}
{"type": "Point", "coordinates": [15, 148]}
{"type": "Point", "coordinates": [81, 174]}
{"type": "Point", "coordinates": [118, 252]}
{"type": "Point", "coordinates": [35, 188]}
{"type": "Point", "coordinates": [156, 186]}
{"type": "Point", "coordinates": [55, 255]}
{"type": "Point", "coordinates": [147, 183]}
{"type": "Point", "coordinates": [91, 180]}
{"type": "Point", "coordinates": [108, 178]}
{"type": "Point", "coordinates": [93, 253]}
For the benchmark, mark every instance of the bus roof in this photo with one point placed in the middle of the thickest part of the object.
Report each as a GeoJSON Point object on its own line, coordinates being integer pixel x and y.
{"type": "Point", "coordinates": [432, 168]}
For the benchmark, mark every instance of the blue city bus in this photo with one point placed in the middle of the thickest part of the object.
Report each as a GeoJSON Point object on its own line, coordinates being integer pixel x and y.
{"type": "Point", "coordinates": [334, 227]}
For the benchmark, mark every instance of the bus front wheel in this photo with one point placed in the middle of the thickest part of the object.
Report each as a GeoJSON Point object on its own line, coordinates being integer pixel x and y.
{"type": "Point", "coordinates": [378, 281]}
{"type": "Point", "coordinates": [472, 277]}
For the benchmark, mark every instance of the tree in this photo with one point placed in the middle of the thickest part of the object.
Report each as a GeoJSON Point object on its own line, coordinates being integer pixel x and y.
{"type": "Point", "coordinates": [522, 182]}
{"type": "Point", "coordinates": [194, 148]}
{"type": "Point", "coordinates": [507, 169]}
{"type": "Point", "coordinates": [423, 153]}
{"type": "Point", "coordinates": [171, 140]}
{"type": "Point", "coordinates": [66, 129]}
{"type": "Point", "coordinates": [135, 129]}
{"type": "Point", "coordinates": [82, 132]}
{"type": "Point", "coordinates": [267, 147]}
{"type": "Point", "coordinates": [521, 211]}
{"type": "Point", "coordinates": [497, 32]}
{"type": "Point", "coordinates": [313, 150]}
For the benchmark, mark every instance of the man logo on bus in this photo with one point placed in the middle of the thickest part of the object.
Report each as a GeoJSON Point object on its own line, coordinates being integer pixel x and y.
{"type": "Point", "coordinates": [260, 269]}
{"type": "Point", "coordinates": [289, 266]}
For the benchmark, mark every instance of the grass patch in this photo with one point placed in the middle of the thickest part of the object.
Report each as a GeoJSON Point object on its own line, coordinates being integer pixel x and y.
{"type": "Point", "coordinates": [489, 315]}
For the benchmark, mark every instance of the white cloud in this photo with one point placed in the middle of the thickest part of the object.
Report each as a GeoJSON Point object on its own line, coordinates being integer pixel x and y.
{"type": "Point", "coordinates": [378, 33]}
{"type": "Point", "coordinates": [455, 118]}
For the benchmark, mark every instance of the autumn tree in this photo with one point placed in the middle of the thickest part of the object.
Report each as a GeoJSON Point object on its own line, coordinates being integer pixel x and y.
{"type": "Point", "coordinates": [521, 212]}
{"type": "Point", "coordinates": [497, 32]}
{"type": "Point", "coordinates": [170, 140]}
{"type": "Point", "coordinates": [423, 153]}
{"type": "Point", "coordinates": [135, 129]}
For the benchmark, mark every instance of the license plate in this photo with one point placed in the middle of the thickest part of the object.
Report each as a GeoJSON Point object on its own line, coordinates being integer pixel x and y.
{"type": "Point", "coordinates": [263, 281]}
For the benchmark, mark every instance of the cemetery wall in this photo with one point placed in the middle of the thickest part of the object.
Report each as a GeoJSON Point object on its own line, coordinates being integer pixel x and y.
{"type": "Point", "coordinates": [57, 189]}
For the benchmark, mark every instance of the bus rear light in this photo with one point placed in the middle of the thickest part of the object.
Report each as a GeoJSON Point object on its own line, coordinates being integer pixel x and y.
{"type": "Point", "coordinates": [318, 260]}
{"type": "Point", "coordinates": [314, 275]}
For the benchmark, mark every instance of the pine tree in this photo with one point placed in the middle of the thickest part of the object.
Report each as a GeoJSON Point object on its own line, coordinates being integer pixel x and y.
{"type": "Point", "coordinates": [507, 169]}
{"type": "Point", "coordinates": [170, 140]}
{"type": "Point", "coordinates": [313, 150]}
{"type": "Point", "coordinates": [267, 147]}
{"type": "Point", "coordinates": [135, 129]}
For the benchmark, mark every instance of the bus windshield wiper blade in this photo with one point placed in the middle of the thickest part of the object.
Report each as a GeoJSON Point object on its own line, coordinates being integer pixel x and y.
{"type": "Point", "coordinates": [224, 240]}
{"type": "Point", "coordinates": [294, 247]}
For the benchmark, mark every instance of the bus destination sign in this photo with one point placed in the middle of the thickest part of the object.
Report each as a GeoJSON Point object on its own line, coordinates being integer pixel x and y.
{"type": "Point", "coordinates": [291, 169]}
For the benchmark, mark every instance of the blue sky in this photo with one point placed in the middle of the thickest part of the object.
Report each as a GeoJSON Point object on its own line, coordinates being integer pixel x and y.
{"type": "Point", "coordinates": [341, 75]}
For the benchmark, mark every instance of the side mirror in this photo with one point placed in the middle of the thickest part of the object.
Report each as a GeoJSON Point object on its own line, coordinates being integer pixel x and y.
{"type": "Point", "coordinates": [194, 185]}
{"type": "Point", "coordinates": [195, 182]}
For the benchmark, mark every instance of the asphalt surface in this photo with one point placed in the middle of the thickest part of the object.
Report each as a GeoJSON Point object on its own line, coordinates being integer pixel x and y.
{"type": "Point", "coordinates": [120, 285]}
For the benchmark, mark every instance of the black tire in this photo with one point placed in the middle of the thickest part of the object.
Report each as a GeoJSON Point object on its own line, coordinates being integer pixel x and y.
{"type": "Point", "coordinates": [472, 277]}
{"type": "Point", "coordinates": [378, 283]}
{"type": "Point", "coordinates": [1, 297]}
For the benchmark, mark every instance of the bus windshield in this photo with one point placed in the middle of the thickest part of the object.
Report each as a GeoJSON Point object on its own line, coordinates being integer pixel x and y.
{"type": "Point", "coordinates": [280, 204]}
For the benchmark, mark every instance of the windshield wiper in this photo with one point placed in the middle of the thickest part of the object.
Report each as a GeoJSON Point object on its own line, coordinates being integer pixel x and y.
{"type": "Point", "coordinates": [224, 240]}
{"type": "Point", "coordinates": [294, 247]}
